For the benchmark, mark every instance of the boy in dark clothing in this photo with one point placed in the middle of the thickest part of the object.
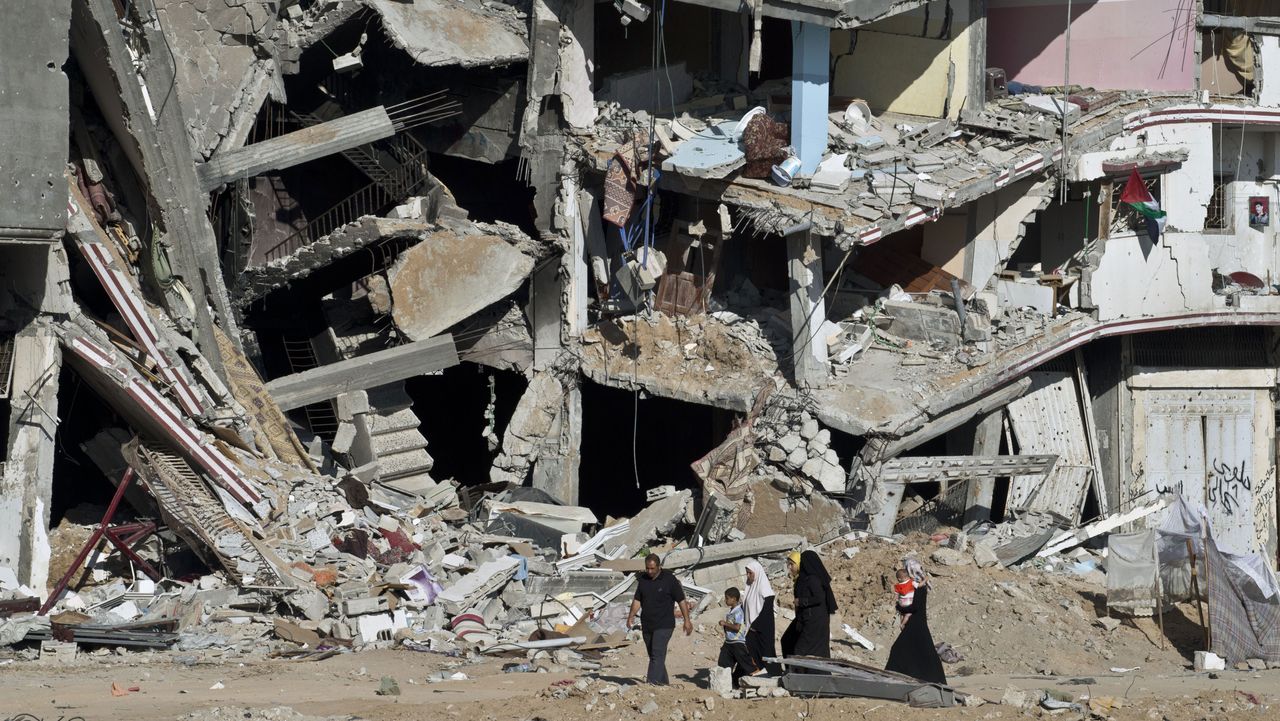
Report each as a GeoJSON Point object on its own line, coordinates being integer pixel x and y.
{"type": "Point", "coordinates": [734, 649]}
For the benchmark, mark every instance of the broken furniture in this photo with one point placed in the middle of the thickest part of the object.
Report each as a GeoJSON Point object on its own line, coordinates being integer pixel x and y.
{"type": "Point", "coordinates": [844, 679]}
{"type": "Point", "coordinates": [124, 537]}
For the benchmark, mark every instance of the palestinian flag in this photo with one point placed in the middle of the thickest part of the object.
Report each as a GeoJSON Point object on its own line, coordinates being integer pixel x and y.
{"type": "Point", "coordinates": [1139, 198]}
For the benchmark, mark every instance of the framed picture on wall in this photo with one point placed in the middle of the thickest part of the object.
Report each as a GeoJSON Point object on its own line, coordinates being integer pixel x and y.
{"type": "Point", "coordinates": [1259, 211]}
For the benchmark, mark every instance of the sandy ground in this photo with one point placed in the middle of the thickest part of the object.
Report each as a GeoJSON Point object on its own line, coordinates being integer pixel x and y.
{"type": "Point", "coordinates": [1023, 629]}
{"type": "Point", "coordinates": [346, 686]}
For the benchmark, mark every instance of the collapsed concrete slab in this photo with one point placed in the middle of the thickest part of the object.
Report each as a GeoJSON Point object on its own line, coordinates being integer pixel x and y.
{"type": "Point", "coordinates": [659, 518]}
{"type": "Point", "coordinates": [455, 272]}
{"type": "Point", "coordinates": [468, 33]}
{"type": "Point", "coordinates": [34, 278]}
{"type": "Point", "coordinates": [298, 147]}
{"type": "Point", "coordinates": [478, 585]}
{"type": "Point", "coordinates": [225, 67]}
{"type": "Point", "coordinates": [136, 400]}
{"type": "Point", "coordinates": [721, 552]}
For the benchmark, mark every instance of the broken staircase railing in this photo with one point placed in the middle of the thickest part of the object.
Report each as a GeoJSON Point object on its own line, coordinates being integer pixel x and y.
{"type": "Point", "coordinates": [369, 200]}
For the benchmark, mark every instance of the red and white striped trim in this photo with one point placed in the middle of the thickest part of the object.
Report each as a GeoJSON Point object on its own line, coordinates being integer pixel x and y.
{"type": "Point", "coordinates": [1138, 121]}
{"type": "Point", "coordinates": [137, 318]}
{"type": "Point", "coordinates": [1175, 116]}
{"type": "Point", "coordinates": [160, 410]}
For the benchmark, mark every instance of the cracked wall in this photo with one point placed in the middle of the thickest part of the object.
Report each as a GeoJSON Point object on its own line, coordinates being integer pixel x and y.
{"type": "Point", "coordinates": [1178, 269]}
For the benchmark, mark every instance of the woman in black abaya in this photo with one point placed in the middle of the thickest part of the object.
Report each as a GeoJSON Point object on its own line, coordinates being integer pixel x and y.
{"type": "Point", "coordinates": [913, 653]}
{"type": "Point", "coordinates": [810, 633]}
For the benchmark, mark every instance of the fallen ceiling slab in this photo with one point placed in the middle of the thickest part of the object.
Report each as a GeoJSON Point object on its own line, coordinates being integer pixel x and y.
{"type": "Point", "coordinates": [452, 274]}
{"type": "Point", "coordinates": [438, 34]}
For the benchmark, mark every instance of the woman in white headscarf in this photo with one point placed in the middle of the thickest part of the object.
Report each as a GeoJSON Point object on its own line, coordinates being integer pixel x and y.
{"type": "Point", "coordinates": [757, 607]}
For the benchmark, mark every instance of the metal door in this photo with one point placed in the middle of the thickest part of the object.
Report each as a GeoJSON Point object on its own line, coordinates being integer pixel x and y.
{"type": "Point", "coordinates": [1200, 443]}
{"type": "Point", "coordinates": [1048, 420]}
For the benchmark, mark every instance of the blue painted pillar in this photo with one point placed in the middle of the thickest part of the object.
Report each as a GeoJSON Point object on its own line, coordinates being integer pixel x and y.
{"type": "Point", "coordinates": [810, 92]}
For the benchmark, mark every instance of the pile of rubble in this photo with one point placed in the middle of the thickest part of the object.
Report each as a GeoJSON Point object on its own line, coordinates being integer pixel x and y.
{"type": "Point", "coordinates": [450, 572]}
{"type": "Point", "coordinates": [798, 444]}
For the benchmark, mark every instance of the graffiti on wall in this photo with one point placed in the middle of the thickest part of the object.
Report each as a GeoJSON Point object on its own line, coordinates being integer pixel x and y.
{"type": "Point", "coordinates": [1228, 487]}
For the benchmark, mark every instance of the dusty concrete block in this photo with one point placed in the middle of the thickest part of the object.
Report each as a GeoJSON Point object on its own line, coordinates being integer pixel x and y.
{"type": "Point", "coordinates": [924, 322]}
{"type": "Point", "coordinates": [350, 405]}
{"type": "Point", "coordinates": [311, 603]}
{"type": "Point", "coordinates": [359, 606]}
{"type": "Point", "coordinates": [344, 438]}
{"type": "Point", "coordinates": [984, 556]}
{"type": "Point", "coordinates": [1209, 661]}
{"type": "Point", "coordinates": [58, 652]}
{"type": "Point", "coordinates": [797, 458]}
{"type": "Point", "coordinates": [790, 442]}
{"type": "Point", "coordinates": [809, 429]}
{"type": "Point", "coordinates": [950, 557]}
{"type": "Point", "coordinates": [1016, 697]}
{"type": "Point", "coordinates": [721, 681]}
{"type": "Point", "coordinates": [1109, 624]}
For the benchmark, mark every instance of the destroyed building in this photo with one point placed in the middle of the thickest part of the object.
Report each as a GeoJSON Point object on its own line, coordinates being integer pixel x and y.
{"type": "Point", "coordinates": [326, 277]}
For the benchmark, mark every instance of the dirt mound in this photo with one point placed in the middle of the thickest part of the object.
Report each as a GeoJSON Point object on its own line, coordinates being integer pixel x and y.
{"type": "Point", "coordinates": [1003, 621]}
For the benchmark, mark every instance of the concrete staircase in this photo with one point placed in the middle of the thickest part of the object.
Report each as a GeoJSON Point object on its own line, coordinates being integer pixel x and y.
{"type": "Point", "coordinates": [398, 447]}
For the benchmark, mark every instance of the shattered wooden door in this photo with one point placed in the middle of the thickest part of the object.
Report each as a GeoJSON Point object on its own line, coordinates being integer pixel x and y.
{"type": "Point", "coordinates": [685, 287]}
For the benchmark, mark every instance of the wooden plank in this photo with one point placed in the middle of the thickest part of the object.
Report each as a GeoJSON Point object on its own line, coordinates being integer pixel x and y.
{"type": "Point", "coordinates": [364, 372]}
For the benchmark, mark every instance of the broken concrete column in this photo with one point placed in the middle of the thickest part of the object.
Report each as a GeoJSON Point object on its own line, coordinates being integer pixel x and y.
{"type": "Point", "coordinates": [577, 62]}
{"type": "Point", "coordinates": [545, 434]}
{"type": "Point", "coordinates": [808, 314]}
{"type": "Point", "coordinates": [575, 295]}
{"type": "Point", "coordinates": [556, 470]}
{"type": "Point", "coordinates": [26, 489]}
{"type": "Point", "coordinates": [986, 442]}
{"type": "Point", "coordinates": [37, 274]}
{"type": "Point", "coordinates": [544, 314]}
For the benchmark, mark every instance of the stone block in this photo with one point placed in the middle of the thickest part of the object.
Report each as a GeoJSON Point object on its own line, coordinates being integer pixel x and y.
{"type": "Point", "coordinates": [1209, 661]}
{"type": "Point", "coordinates": [350, 405]}
{"type": "Point", "coordinates": [722, 681]}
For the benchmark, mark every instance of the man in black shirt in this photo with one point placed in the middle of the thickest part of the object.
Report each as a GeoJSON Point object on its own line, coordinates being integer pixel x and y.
{"type": "Point", "coordinates": [657, 593]}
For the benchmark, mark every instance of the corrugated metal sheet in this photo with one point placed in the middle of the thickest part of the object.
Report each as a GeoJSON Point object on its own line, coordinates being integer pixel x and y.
{"type": "Point", "coordinates": [1200, 443]}
{"type": "Point", "coordinates": [1048, 421]}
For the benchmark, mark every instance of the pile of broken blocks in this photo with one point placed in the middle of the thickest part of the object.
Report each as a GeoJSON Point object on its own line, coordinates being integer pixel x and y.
{"type": "Point", "coordinates": [442, 578]}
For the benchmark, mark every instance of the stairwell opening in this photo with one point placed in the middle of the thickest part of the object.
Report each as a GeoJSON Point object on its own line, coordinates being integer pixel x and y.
{"type": "Point", "coordinates": [631, 444]}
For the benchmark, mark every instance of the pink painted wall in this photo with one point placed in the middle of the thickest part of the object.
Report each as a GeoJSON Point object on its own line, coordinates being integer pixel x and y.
{"type": "Point", "coordinates": [1115, 44]}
